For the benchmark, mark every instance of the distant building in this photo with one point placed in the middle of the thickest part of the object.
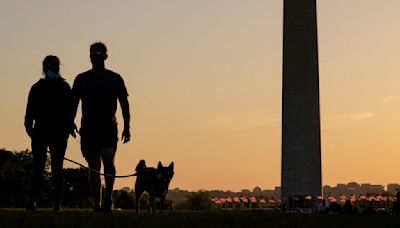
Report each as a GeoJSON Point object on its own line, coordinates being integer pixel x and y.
{"type": "Point", "coordinates": [352, 188]}
{"type": "Point", "coordinates": [372, 188]}
{"type": "Point", "coordinates": [393, 188]}
{"type": "Point", "coordinates": [327, 190]}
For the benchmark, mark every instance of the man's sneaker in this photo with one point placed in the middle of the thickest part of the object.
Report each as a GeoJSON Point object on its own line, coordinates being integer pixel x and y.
{"type": "Point", "coordinates": [31, 205]}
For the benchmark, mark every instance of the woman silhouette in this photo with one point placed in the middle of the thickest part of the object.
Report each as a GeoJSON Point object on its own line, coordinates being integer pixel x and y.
{"type": "Point", "coordinates": [48, 122]}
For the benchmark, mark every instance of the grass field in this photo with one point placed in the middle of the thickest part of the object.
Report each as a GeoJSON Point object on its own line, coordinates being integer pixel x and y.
{"type": "Point", "coordinates": [10, 218]}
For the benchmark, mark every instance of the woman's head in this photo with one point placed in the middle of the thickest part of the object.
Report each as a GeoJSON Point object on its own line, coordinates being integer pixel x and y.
{"type": "Point", "coordinates": [51, 63]}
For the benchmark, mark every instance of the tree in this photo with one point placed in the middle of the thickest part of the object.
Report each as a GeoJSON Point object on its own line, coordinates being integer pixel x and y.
{"type": "Point", "coordinates": [15, 178]}
{"type": "Point", "coordinates": [76, 188]}
{"type": "Point", "coordinates": [124, 199]}
{"type": "Point", "coordinates": [199, 200]}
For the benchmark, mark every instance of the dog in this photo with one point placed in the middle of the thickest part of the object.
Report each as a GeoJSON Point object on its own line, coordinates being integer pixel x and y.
{"type": "Point", "coordinates": [155, 181]}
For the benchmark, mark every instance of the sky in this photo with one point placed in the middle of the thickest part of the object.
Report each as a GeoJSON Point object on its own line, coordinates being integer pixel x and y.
{"type": "Point", "coordinates": [204, 80]}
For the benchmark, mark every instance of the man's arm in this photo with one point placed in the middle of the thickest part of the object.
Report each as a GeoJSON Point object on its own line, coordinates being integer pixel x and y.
{"type": "Point", "coordinates": [71, 111]}
{"type": "Point", "coordinates": [126, 135]}
{"type": "Point", "coordinates": [123, 101]}
{"type": "Point", "coordinates": [76, 96]}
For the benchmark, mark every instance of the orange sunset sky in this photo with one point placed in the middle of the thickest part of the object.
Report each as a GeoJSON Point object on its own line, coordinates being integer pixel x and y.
{"type": "Point", "coordinates": [205, 83]}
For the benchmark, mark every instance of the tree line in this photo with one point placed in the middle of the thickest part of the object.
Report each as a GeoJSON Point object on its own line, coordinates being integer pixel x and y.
{"type": "Point", "coordinates": [15, 182]}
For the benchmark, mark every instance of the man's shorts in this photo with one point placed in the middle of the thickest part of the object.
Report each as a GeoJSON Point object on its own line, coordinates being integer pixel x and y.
{"type": "Point", "coordinates": [94, 140]}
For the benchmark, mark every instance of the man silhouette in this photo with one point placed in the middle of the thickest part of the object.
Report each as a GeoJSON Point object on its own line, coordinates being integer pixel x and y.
{"type": "Point", "coordinates": [99, 89]}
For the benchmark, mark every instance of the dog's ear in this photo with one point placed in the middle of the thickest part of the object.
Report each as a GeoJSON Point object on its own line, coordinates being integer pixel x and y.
{"type": "Point", "coordinates": [171, 166]}
{"type": "Point", "coordinates": [141, 165]}
{"type": "Point", "coordinates": [159, 165]}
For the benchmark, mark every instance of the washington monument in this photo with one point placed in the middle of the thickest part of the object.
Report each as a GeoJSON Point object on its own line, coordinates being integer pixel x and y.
{"type": "Point", "coordinates": [301, 139]}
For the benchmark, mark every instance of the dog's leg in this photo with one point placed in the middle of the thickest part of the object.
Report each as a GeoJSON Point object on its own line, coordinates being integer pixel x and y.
{"type": "Point", "coordinates": [138, 194]}
{"type": "Point", "coordinates": [152, 204]}
{"type": "Point", "coordinates": [162, 200]}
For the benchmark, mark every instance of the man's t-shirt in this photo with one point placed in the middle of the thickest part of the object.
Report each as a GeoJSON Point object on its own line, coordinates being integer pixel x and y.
{"type": "Point", "coordinates": [99, 93]}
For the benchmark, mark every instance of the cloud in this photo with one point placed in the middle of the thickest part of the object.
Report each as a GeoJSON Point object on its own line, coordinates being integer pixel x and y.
{"type": "Point", "coordinates": [356, 117]}
{"type": "Point", "coordinates": [346, 118]}
{"type": "Point", "coordinates": [389, 99]}
{"type": "Point", "coordinates": [246, 121]}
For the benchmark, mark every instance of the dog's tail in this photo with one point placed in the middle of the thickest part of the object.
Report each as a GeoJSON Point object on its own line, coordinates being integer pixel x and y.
{"type": "Point", "coordinates": [140, 166]}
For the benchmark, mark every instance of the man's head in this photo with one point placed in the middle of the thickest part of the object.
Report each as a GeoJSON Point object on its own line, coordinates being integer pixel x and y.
{"type": "Point", "coordinates": [98, 54]}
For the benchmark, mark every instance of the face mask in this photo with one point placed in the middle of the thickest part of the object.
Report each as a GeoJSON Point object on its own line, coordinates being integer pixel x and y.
{"type": "Point", "coordinates": [52, 75]}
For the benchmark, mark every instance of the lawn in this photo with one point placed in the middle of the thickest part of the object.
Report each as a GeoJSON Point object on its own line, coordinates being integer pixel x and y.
{"type": "Point", "coordinates": [10, 218]}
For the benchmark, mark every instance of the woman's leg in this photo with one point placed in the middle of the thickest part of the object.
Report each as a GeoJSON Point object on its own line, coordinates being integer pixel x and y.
{"type": "Point", "coordinates": [39, 153]}
{"type": "Point", "coordinates": [57, 152]}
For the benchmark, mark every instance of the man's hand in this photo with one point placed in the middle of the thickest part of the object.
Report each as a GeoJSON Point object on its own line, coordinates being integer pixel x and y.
{"type": "Point", "coordinates": [72, 130]}
{"type": "Point", "coordinates": [126, 136]}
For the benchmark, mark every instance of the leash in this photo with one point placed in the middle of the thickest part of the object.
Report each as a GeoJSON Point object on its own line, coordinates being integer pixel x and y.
{"type": "Point", "coordinates": [95, 171]}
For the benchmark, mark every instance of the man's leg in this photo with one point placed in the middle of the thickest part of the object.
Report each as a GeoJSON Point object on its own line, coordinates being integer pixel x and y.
{"type": "Point", "coordinates": [57, 152]}
{"type": "Point", "coordinates": [94, 162]}
{"type": "Point", "coordinates": [107, 155]}
{"type": "Point", "coordinates": [39, 153]}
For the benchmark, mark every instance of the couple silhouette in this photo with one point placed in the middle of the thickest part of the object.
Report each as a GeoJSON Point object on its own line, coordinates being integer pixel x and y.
{"type": "Point", "coordinates": [49, 120]}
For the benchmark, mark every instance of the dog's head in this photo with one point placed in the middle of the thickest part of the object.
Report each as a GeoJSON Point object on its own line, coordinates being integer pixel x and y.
{"type": "Point", "coordinates": [165, 173]}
